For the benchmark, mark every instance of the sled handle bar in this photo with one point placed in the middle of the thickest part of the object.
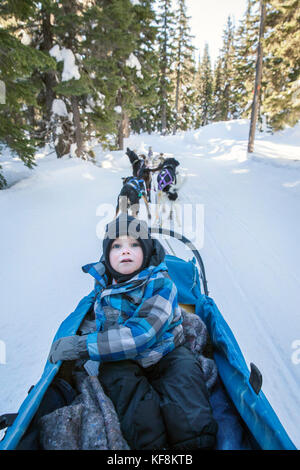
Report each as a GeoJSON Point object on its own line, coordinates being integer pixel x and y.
{"type": "Point", "coordinates": [190, 245]}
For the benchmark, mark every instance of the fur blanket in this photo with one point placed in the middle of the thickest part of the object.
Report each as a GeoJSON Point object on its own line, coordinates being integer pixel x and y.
{"type": "Point", "coordinates": [91, 422]}
{"type": "Point", "coordinates": [197, 340]}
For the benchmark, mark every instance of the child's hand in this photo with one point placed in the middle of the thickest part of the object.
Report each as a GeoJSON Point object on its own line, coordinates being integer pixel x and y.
{"type": "Point", "coordinates": [68, 348]}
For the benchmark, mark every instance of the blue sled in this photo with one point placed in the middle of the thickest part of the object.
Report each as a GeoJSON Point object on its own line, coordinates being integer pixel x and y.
{"type": "Point", "coordinates": [245, 417]}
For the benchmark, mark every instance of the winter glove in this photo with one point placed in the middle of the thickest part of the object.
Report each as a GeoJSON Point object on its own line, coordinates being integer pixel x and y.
{"type": "Point", "coordinates": [68, 349]}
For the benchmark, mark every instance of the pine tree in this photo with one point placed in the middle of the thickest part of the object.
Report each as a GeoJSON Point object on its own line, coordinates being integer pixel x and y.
{"type": "Point", "coordinates": [145, 94]}
{"type": "Point", "coordinates": [48, 127]}
{"type": "Point", "coordinates": [205, 89]}
{"type": "Point", "coordinates": [73, 84]}
{"type": "Point", "coordinates": [281, 103]}
{"type": "Point", "coordinates": [188, 98]}
{"type": "Point", "coordinates": [19, 64]}
{"type": "Point", "coordinates": [165, 39]}
{"type": "Point", "coordinates": [121, 65]}
{"type": "Point", "coordinates": [104, 48]}
{"type": "Point", "coordinates": [225, 107]}
{"type": "Point", "coordinates": [198, 93]}
{"type": "Point", "coordinates": [258, 77]}
{"type": "Point", "coordinates": [245, 59]}
{"type": "Point", "coordinates": [184, 70]}
{"type": "Point", "coordinates": [49, 80]}
{"type": "Point", "coordinates": [217, 90]}
{"type": "Point", "coordinates": [140, 68]}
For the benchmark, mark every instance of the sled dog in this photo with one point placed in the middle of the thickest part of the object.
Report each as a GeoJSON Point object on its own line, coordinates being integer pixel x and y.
{"type": "Point", "coordinates": [132, 191]}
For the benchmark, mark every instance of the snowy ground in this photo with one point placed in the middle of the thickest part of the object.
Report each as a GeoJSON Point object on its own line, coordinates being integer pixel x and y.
{"type": "Point", "coordinates": [51, 221]}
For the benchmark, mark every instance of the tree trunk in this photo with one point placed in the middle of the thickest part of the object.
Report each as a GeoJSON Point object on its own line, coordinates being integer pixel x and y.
{"type": "Point", "coordinates": [178, 78]}
{"type": "Point", "coordinates": [126, 126]}
{"type": "Point", "coordinates": [77, 125]}
{"type": "Point", "coordinates": [70, 6]}
{"type": "Point", "coordinates": [123, 130]}
{"type": "Point", "coordinates": [176, 101]}
{"type": "Point", "coordinates": [49, 77]}
{"type": "Point", "coordinates": [120, 138]}
{"type": "Point", "coordinates": [62, 135]}
{"type": "Point", "coordinates": [164, 116]}
{"type": "Point", "coordinates": [164, 104]}
{"type": "Point", "coordinates": [31, 116]}
{"type": "Point", "coordinates": [258, 76]}
{"type": "Point", "coordinates": [122, 122]}
{"type": "Point", "coordinates": [163, 82]}
{"type": "Point", "coordinates": [164, 99]}
{"type": "Point", "coordinates": [121, 133]}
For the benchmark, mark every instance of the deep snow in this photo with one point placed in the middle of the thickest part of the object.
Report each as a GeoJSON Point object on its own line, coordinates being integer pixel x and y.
{"type": "Point", "coordinates": [248, 236]}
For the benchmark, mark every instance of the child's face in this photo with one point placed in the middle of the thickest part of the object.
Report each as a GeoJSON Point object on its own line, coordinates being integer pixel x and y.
{"type": "Point", "coordinates": [126, 255]}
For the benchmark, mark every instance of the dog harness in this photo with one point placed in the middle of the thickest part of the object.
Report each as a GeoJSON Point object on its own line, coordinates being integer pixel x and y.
{"type": "Point", "coordinates": [141, 170]}
{"type": "Point", "coordinates": [137, 185]}
{"type": "Point", "coordinates": [164, 179]}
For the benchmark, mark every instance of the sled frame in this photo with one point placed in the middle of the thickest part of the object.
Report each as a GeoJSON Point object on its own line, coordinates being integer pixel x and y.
{"type": "Point", "coordinates": [190, 245]}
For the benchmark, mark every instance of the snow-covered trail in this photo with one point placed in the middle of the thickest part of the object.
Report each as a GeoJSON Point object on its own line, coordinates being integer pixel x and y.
{"type": "Point", "coordinates": [250, 251]}
{"type": "Point", "coordinates": [48, 234]}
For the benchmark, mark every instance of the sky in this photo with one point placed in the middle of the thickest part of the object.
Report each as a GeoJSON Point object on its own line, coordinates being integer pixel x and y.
{"type": "Point", "coordinates": [208, 20]}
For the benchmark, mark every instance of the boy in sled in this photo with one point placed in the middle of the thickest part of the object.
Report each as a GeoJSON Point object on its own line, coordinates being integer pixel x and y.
{"type": "Point", "coordinates": [153, 380]}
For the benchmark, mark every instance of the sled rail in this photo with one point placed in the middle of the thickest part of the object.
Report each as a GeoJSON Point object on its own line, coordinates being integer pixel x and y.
{"type": "Point", "coordinates": [191, 246]}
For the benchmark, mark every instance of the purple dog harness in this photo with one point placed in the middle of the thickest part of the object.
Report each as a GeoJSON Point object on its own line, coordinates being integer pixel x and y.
{"type": "Point", "coordinates": [164, 179]}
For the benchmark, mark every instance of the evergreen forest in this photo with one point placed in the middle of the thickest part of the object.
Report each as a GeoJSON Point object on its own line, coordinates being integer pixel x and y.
{"type": "Point", "coordinates": [73, 71]}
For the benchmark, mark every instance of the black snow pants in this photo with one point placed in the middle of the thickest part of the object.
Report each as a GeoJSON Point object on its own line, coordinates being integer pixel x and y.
{"type": "Point", "coordinates": [163, 406]}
